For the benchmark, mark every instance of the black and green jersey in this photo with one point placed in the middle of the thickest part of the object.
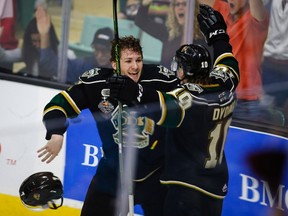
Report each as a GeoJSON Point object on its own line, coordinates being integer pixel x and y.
{"type": "Point", "coordinates": [198, 117]}
{"type": "Point", "coordinates": [92, 93]}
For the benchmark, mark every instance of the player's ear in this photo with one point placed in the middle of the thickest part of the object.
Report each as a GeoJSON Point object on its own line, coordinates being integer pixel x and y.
{"type": "Point", "coordinates": [113, 64]}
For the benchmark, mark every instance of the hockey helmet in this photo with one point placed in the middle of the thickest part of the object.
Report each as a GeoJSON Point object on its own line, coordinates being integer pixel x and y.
{"type": "Point", "coordinates": [41, 190]}
{"type": "Point", "coordinates": [194, 59]}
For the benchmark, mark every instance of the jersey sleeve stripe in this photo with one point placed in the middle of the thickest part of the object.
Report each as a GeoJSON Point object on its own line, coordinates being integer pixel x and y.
{"type": "Point", "coordinates": [55, 108]}
{"type": "Point", "coordinates": [224, 55]}
{"type": "Point", "coordinates": [163, 108]}
{"type": "Point", "coordinates": [71, 102]}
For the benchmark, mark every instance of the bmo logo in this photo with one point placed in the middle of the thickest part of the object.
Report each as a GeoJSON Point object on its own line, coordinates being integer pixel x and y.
{"type": "Point", "coordinates": [258, 191]}
{"type": "Point", "coordinates": [90, 155]}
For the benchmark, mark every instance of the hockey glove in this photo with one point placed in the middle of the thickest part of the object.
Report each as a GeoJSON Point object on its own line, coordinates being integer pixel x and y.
{"type": "Point", "coordinates": [124, 89]}
{"type": "Point", "coordinates": [212, 25]}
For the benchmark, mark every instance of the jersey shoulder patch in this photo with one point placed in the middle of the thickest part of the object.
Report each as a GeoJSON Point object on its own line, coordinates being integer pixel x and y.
{"type": "Point", "coordinates": [96, 74]}
{"type": "Point", "coordinates": [220, 72]}
{"type": "Point", "coordinates": [153, 71]}
{"type": "Point", "coordinates": [193, 87]}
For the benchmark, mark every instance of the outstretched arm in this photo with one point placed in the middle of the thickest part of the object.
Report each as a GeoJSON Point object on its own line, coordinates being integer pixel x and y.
{"type": "Point", "coordinates": [51, 149]}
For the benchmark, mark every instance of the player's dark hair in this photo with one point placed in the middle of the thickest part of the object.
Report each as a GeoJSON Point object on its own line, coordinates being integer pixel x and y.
{"type": "Point", "coordinates": [127, 42]}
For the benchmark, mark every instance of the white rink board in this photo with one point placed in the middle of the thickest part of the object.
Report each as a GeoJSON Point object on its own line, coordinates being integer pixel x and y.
{"type": "Point", "coordinates": [22, 133]}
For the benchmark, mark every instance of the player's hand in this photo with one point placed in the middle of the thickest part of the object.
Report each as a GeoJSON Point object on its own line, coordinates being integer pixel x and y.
{"type": "Point", "coordinates": [124, 89]}
{"type": "Point", "coordinates": [212, 24]}
{"type": "Point", "coordinates": [51, 149]}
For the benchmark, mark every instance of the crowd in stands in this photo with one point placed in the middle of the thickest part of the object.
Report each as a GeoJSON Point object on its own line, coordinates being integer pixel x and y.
{"type": "Point", "coordinates": [257, 30]}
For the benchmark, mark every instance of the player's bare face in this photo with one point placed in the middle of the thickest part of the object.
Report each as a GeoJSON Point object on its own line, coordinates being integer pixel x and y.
{"type": "Point", "coordinates": [131, 64]}
{"type": "Point", "coordinates": [180, 10]}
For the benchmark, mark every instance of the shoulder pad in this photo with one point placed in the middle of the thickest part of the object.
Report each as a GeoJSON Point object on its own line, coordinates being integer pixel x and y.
{"type": "Point", "coordinates": [152, 71]}
{"type": "Point", "coordinates": [96, 74]}
{"type": "Point", "coordinates": [193, 87]}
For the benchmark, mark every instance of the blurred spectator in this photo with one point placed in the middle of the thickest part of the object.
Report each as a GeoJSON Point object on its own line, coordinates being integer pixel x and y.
{"type": "Point", "coordinates": [172, 32]}
{"type": "Point", "coordinates": [101, 58]}
{"type": "Point", "coordinates": [275, 61]}
{"type": "Point", "coordinates": [40, 50]}
{"type": "Point", "coordinates": [40, 42]}
{"type": "Point", "coordinates": [128, 9]}
{"type": "Point", "coordinates": [158, 10]}
{"type": "Point", "coordinates": [247, 25]}
{"type": "Point", "coordinates": [8, 40]}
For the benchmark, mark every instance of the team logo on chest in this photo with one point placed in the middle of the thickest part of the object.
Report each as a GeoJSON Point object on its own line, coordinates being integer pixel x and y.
{"type": "Point", "coordinates": [105, 105]}
{"type": "Point", "coordinates": [136, 130]}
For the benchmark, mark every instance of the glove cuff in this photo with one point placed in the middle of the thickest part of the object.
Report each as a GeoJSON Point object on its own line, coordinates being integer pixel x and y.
{"type": "Point", "coordinates": [148, 96]}
{"type": "Point", "coordinates": [219, 34]}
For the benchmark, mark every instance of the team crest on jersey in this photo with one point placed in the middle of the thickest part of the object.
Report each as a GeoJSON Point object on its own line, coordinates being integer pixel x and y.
{"type": "Point", "coordinates": [193, 87]}
{"type": "Point", "coordinates": [136, 130]}
{"type": "Point", "coordinates": [105, 105]}
{"type": "Point", "coordinates": [220, 72]}
{"type": "Point", "coordinates": [91, 73]}
{"type": "Point", "coordinates": [165, 71]}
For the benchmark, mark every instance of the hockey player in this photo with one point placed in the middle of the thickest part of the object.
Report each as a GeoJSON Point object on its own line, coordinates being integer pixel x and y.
{"type": "Point", "coordinates": [198, 113]}
{"type": "Point", "coordinates": [92, 92]}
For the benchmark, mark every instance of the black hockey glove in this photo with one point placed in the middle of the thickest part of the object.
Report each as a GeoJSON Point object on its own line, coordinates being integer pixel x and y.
{"type": "Point", "coordinates": [212, 25]}
{"type": "Point", "coordinates": [124, 89]}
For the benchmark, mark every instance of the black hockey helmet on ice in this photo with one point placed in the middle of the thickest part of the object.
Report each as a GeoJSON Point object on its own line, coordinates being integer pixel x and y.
{"type": "Point", "coordinates": [194, 59]}
{"type": "Point", "coordinates": [42, 190]}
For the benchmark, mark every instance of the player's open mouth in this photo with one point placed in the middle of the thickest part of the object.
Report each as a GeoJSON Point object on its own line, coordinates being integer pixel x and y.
{"type": "Point", "coordinates": [181, 15]}
{"type": "Point", "coordinates": [134, 76]}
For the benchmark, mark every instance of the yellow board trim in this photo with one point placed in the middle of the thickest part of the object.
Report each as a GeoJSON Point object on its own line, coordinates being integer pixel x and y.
{"type": "Point", "coordinates": [12, 206]}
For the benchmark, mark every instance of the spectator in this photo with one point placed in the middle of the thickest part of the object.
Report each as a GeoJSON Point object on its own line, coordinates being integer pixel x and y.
{"type": "Point", "coordinates": [171, 33]}
{"type": "Point", "coordinates": [128, 9]}
{"type": "Point", "coordinates": [247, 25]}
{"type": "Point", "coordinates": [8, 40]}
{"type": "Point", "coordinates": [44, 62]}
{"type": "Point", "coordinates": [158, 10]}
{"type": "Point", "coordinates": [275, 61]}
{"type": "Point", "coordinates": [101, 58]}
{"type": "Point", "coordinates": [40, 42]}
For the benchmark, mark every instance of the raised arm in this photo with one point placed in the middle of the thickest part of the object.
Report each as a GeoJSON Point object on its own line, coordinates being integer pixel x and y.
{"type": "Point", "coordinates": [207, 2]}
{"type": "Point", "coordinates": [43, 26]}
{"type": "Point", "coordinates": [257, 9]}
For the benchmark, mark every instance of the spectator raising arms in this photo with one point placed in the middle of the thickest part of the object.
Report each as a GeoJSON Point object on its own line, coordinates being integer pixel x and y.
{"type": "Point", "coordinates": [40, 42]}
{"type": "Point", "coordinates": [171, 33]}
{"type": "Point", "coordinates": [247, 25]}
{"type": "Point", "coordinates": [40, 50]}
